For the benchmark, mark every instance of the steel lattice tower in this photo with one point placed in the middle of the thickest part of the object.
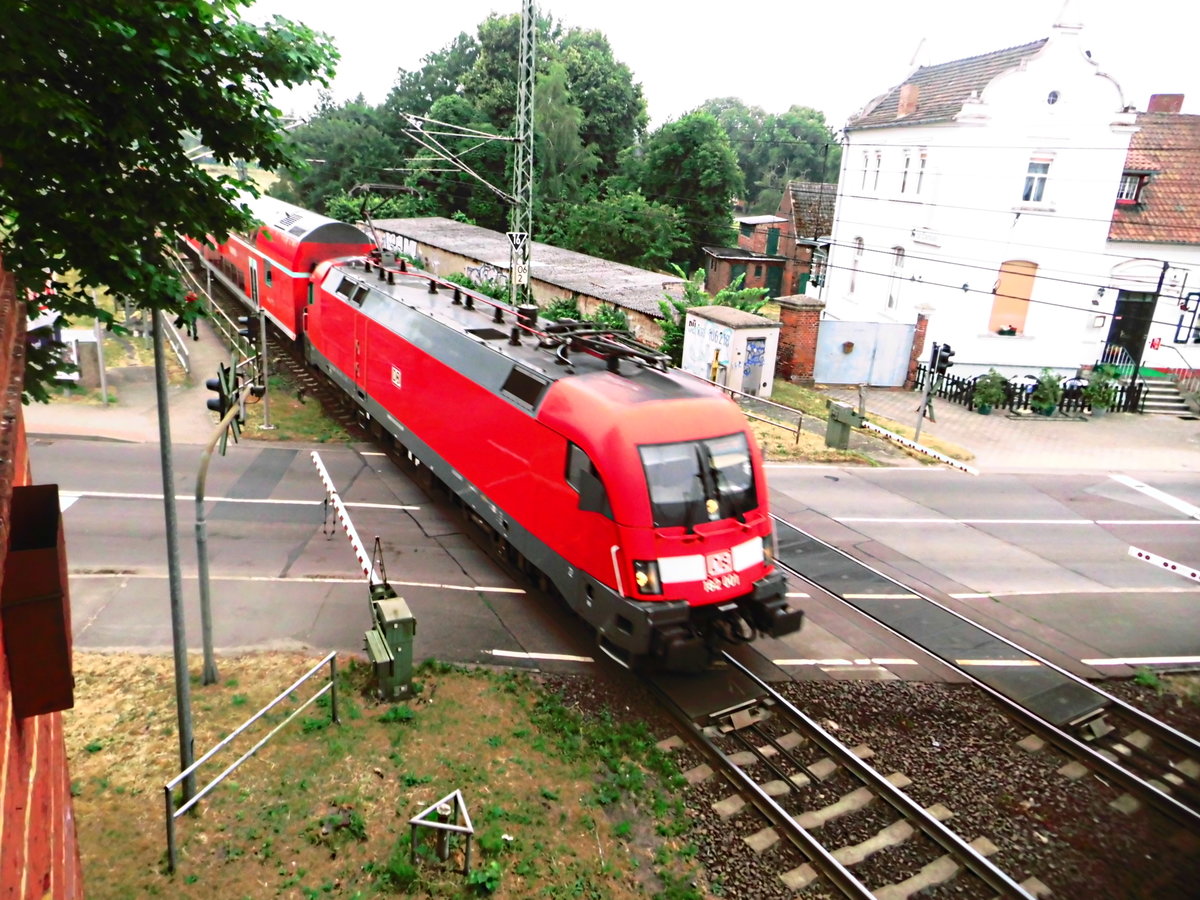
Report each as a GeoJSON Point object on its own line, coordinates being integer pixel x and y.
{"type": "Point", "coordinates": [522, 192]}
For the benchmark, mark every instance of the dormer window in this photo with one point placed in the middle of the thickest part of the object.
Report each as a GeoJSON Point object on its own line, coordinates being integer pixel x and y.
{"type": "Point", "coordinates": [1130, 191]}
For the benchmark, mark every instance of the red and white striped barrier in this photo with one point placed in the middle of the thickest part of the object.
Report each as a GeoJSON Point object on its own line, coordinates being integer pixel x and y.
{"type": "Point", "coordinates": [360, 551]}
{"type": "Point", "coordinates": [1164, 563]}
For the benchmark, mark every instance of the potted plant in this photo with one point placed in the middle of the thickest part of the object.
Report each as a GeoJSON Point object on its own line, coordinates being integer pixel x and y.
{"type": "Point", "coordinates": [1100, 393]}
{"type": "Point", "coordinates": [1047, 393]}
{"type": "Point", "coordinates": [991, 390]}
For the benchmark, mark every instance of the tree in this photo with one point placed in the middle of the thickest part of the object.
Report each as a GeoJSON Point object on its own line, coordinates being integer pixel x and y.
{"type": "Point", "coordinates": [625, 228]}
{"type": "Point", "coordinates": [98, 93]}
{"type": "Point", "coordinates": [614, 109]}
{"type": "Point", "coordinates": [674, 309]}
{"type": "Point", "coordinates": [562, 160]}
{"type": "Point", "coordinates": [341, 147]}
{"type": "Point", "coordinates": [690, 165]}
{"type": "Point", "coordinates": [440, 76]}
{"type": "Point", "coordinates": [772, 150]}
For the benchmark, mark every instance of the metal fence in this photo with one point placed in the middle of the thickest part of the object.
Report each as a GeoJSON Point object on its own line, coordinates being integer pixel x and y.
{"type": "Point", "coordinates": [1129, 397]}
{"type": "Point", "coordinates": [168, 789]}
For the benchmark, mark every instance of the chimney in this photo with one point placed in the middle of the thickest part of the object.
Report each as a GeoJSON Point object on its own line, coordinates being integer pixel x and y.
{"type": "Point", "coordinates": [909, 93]}
{"type": "Point", "coordinates": [1165, 103]}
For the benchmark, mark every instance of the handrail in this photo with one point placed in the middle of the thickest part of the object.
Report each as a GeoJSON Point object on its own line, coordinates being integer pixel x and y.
{"type": "Point", "coordinates": [172, 813]}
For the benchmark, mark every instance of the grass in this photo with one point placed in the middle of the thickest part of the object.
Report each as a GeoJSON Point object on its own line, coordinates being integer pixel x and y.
{"type": "Point", "coordinates": [294, 417]}
{"type": "Point", "coordinates": [562, 804]}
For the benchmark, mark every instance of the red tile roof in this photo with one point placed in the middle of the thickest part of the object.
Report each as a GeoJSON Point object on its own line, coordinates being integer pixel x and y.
{"type": "Point", "coordinates": [943, 88]}
{"type": "Point", "coordinates": [1168, 146]}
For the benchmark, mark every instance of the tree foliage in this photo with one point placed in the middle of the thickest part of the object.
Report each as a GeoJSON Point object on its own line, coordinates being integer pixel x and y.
{"type": "Point", "coordinates": [691, 165]}
{"type": "Point", "coordinates": [97, 95]}
{"type": "Point", "coordinates": [625, 228]}
{"type": "Point", "coordinates": [674, 309]}
{"type": "Point", "coordinates": [797, 145]}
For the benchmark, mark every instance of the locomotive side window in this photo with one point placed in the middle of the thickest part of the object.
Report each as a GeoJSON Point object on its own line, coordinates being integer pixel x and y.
{"type": "Point", "coordinates": [583, 476]}
{"type": "Point", "coordinates": [351, 290]}
{"type": "Point", "coordinates": [699, 481]}
{"type": "Point", "coordinates": [267, 272]}
{"type": "Point", "coordinates": [524, 387]}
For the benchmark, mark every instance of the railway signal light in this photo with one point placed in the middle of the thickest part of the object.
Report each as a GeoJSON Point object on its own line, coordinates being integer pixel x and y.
{"type": "Point", "coordinates": [226, 386]}
{"type": "Point", "coordinates": [945, 359]}
{"type": "Point", "coordinates": [223, 385]}
{"type": "Point", "coordinates": [246, 328]}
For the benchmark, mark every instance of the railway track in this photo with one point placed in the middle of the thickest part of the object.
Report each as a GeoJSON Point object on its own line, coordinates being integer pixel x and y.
{"type": "Point", "coordinates": [1154, 763]}
{"type": "Point", "coordinates": [856, 830]}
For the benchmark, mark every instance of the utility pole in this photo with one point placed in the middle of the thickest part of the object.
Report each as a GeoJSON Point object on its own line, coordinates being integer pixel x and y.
{"type": "Point", "coordinates": [926, 404]}
{"type": "Point", "coordinates": [183, 696]}
{"type": "Point", "coordinates": [429, 133]}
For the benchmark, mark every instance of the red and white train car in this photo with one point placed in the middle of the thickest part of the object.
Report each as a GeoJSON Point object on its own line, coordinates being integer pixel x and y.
{"type": "Point", "coordinates": [273, 265]}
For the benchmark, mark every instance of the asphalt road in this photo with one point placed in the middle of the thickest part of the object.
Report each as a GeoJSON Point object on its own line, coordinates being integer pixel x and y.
{"type": "Point", "coordinates": [1041, 558]}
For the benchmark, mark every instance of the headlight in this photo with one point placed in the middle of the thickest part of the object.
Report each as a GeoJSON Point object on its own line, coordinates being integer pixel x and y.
{"type": "Point", "coordinates": [645, 573]}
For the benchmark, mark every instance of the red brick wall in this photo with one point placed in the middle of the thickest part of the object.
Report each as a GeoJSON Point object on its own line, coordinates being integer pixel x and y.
{"type": "Point", "coordinates": [39, 856]}
{"type": "Point", "coordinates": [800, 319]}
{"type": "Point", "coordinates": [918, 349]}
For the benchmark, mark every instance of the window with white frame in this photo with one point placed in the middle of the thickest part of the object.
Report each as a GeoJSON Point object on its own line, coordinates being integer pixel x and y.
{"type": "Point", "coordinates": [904, 172]}
{"type": "Point", "coordinates": [1035, 180]}
{"type": "Point", "coordinates": [866, 165]}
{"type": "Point", "coordinates": [1130, 191]}
{"type": "Point", "coordinates": [897, 277]}
{"type": "Point", "coordinates": [921, 172]}
{"type": "Point", "coordinates": [858, 252]}
{"type": "Point", "coordinates": [878, 166]}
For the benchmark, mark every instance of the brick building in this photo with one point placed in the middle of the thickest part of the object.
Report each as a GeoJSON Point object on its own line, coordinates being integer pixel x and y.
{"type": "Point", "coordinates": [39, 856]}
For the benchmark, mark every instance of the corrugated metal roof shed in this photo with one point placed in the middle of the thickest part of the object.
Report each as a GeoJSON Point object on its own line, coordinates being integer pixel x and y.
{"type": "Point", "coordinates": [621, 285]}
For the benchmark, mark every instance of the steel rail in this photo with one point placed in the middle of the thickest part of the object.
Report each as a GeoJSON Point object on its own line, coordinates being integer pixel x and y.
{"type": "Point", "coordinates": [1158, 798]}
{"type": "Point", "coordinates": [978, 864]}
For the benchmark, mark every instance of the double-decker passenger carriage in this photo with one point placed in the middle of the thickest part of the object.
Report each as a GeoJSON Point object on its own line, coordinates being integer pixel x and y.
{"type": "Point", "coordinates": [273, 265]}
{"type": "Point", "coordinates": [636, 491]}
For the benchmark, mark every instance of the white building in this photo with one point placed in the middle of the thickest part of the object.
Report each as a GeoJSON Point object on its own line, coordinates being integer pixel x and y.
{"type": "Point", "coordinates": [979, 193]}
{"type": "Point", "coordinates": [1154, 242]}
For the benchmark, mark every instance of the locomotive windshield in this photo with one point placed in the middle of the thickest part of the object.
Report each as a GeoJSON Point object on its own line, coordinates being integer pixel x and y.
{"type": "Point", "coordinates": [699, 481]}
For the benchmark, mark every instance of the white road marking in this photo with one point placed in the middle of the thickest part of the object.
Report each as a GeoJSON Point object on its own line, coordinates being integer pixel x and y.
{"type": "Point", "coordinates": [1098, 589]}
{"type": "Point", "coordinates": [320, 579]}
{"type": "Point", "coordinates": [1144, 661]}
{"type": "Point", "coordinates": [65, 500]}
{"type": "Point", "coordinates": [907, 595]}
{"type": "Point", "coordinates": [1165, 564]}
{"type": "Point", "coordinates": [370, 453]}
{"type": "Point", "coordinates": [945, 520]}
{"type": "Point", "coordinates": [796, 594]}
{"type": "Point", "coordinates": [121, 495]}
{"type": "Point", "coordinates": [557, 657]}
{"type": "Point", "coordinates": [999, 663]}
{"type": "Point", "coordinates": [1161, 496]}
{"type": "Point", "coordinates": [844, 663]}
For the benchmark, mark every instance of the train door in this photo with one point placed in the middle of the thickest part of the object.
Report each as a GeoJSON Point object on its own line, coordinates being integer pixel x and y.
{"type": "Point", "coordinates": [361, 324]}
{"type": "Point", "coordinates": [254, 281]}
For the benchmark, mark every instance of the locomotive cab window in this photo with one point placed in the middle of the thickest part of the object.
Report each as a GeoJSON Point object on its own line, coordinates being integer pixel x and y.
{"type": "Point", "coordinates": [583, 476]}
{"type": "Point", "coordinates": [699, 481]}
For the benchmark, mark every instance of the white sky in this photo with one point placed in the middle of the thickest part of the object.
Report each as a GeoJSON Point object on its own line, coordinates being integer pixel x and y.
{"type": "Point", "coordinates": [834, 55]}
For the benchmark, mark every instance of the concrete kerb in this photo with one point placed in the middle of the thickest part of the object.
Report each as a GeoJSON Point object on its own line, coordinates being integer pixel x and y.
{"type": "Point", "coordinates": [1117, 441]}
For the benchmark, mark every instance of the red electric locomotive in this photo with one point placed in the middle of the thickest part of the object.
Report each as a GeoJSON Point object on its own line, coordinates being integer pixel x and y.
{"type": "Point", "coordinates": [273, 266]}
{"type": "Point", "coordinates": [637, 492]}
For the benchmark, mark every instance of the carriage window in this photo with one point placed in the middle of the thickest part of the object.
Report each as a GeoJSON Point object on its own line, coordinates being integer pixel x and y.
{"type": "Point", "coordinates": [699, 481]}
